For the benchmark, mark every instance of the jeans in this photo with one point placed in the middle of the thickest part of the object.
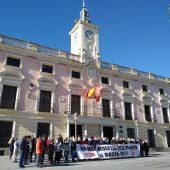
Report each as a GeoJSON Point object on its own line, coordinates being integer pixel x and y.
{"type": "Point", "coordinates": [66, 153]}
{"type": "Point", "coordinates": [73, 154]}
{"type": "Point", "coordinates": [39, 160]}
{"type": "Point", "coordinates": [21, 159]}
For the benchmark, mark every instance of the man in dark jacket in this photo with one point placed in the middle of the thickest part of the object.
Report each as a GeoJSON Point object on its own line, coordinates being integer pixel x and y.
{"type": "Point", "coordinates": [22, 147]}
{"type": "Point", "coordinates": [146, 148]}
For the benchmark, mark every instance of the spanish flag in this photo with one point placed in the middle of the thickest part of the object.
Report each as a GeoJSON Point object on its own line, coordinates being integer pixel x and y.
{"type": "Point", "coordinates": [91, 92]}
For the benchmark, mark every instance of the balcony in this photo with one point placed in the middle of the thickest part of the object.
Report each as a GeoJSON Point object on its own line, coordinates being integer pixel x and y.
{"type": "Point", "coordinates": [12, 69]}
{"type": "Point", "coordinates": [165, 118]}
{"type": "Point", "coordinates": [128, 116]}
{"type": "Point", "coordinates": [86, 111]}
{"type": "Point", "coordinates": [148, 118]}
{"type": "Point", "coordinates": [8, 104]}
{"type": "Point", "coordinates": [74, 82]}
{"type": "Point", "coordinates": [46, 75]}
{"type": "Point", "coordinates": [127, 91]}
{"type": "Point", "coordinates": [44, 107]}
{"type": "Point", "coordinates": [12, 72]}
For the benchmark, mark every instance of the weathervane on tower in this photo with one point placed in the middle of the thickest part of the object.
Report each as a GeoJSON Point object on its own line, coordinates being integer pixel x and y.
{"type": "Point", "coordinates": [84, 14]}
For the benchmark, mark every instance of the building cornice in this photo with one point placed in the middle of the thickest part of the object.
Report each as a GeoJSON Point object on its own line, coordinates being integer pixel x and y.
{"type": "Point", "coordinates": [24, 48]}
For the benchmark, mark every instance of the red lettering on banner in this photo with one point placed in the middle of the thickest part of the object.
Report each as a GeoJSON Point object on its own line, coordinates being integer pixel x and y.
{"type": "Point", "coordinates": [89, 154]}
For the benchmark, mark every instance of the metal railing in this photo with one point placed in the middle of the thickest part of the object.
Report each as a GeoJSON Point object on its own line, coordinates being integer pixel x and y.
{"type": "Point", "coordinates": [76, 58]}
{"type": "Point", "coordinates": [96, 111]}
{"type": "Point", "coordinates": [39, 48]}
{"type": "Point", "coordinates": [148, 117]}
{"type": "Point", "coordinates": [128, 116]}
{"type": "Point", "coordinates": [7, 103]}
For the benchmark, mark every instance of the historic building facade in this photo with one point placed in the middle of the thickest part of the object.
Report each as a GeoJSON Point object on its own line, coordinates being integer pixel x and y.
{"type": "Point", "coordinates": [42, 88]}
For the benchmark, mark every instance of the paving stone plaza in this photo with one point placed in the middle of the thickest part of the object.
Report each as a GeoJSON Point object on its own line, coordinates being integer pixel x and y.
{"type": "Point", "coordinates": [156, 161]}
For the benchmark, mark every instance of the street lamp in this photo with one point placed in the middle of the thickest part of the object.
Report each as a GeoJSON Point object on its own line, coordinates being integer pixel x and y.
{"type": "Point", "coordinates": [75, 121]}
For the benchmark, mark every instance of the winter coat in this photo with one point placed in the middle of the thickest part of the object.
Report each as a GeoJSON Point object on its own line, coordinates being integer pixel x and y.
{"type": "Point", "coordinates": [39, 147]}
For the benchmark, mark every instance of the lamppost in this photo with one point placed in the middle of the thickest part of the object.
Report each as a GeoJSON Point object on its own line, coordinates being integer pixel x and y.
{"type": "Point", "coordinates": [75, 123]}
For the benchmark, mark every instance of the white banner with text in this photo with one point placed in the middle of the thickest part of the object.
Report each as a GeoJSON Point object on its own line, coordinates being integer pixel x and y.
{"type": "Point", "coordinates": [108, 151]}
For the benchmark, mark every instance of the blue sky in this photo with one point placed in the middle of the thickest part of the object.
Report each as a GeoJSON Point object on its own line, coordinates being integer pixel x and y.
{"type": "Point", "coordinates": [133, 33]}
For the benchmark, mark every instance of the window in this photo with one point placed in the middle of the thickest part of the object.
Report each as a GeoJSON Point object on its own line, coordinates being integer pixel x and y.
{"type": "Point", "coordinates": [8, 97]}
{"type": "Point", "coordinates": [161, 91]}
{"type": "Point", "coordinates": [131, 133]}
{"type": "Point", "coordinates": [75, 104]}
{"type": "Point", "coordinates": [165, 115]}
{"type": "Point", "coordinates": [47, 68]}
{"type": "Point", "coordinates": [6, 132]}
{"type": "Point", "coordinates": [125, 84]}
{"type": "Point", "coordinates": [106, 107]}
{"type": "Point", "coordinates": [75, 74]}
{"type": "Point", "coordinates": [13, 62]}
{"type": "Point", "coordinates": [151, 138]}
{"type": "Point", "coordinates": [144, 88]}
{"type": "Point", "coordinates": [104, 80]}
{"type": "Point", "coordinates": [128, 112]}
{"type": "Point", "coordinates": [45, 101]}
{"type": "Point", "coordinates": [168, 137]}
{"type": "Point", "coordinates": [147, 113]}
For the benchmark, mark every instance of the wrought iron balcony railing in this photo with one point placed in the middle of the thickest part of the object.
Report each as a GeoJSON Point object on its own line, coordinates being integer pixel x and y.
{"type": "Point", "coordinates": [7, 103]}
{"type": "Point", "coordinates": [148, 118]}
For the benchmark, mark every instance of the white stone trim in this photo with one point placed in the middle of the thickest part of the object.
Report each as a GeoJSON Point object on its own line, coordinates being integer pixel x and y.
{"type": "Point", "coordinates": [76, 70]}
{"type": "Point", "coordinates": [14, 56]}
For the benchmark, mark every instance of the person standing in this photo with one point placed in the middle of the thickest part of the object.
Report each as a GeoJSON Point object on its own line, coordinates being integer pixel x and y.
{"type": "Point", "coordinates": [44, 147]}
{"type": "Point", "coordinates": [23, 147]}
{"type": "Point", "coordinates": [146, 148]}
{"type": "Point", "coordinates": [50, 148]}
{"type": "Point", "coordinates": [66, 148]}
{"type": "Point", "coordinates": [15, 151]}
{"type": "Point", "coordinates": [58, 151]}
{"type": "Point", "coordinates": [73, 148]}
{"type": "Point", "coordinates": [39, 152]}
{"type": "Point", "coordinates": [32, 148]}
{"type": "Point", "coordinates": [11, 146]}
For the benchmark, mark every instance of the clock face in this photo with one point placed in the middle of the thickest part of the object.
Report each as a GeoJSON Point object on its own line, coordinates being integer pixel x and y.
{"type": "Point", "coordinates": [89, 34]}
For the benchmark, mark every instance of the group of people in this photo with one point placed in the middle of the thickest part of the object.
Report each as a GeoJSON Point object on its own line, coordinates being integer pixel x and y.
{"type": "Point", "coordinates": [60, 148]}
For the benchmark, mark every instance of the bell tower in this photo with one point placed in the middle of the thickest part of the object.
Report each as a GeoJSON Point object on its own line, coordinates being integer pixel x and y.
{"type": "Point", "coordinates": [85, 37]}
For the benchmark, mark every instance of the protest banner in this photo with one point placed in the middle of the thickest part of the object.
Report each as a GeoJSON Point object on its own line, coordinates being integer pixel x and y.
{"type": "Point", "coordinates": [118, 151]}
{"type": "Point", "coordinates": [86, 152]}
{"type": "Point", "coordinates": [108, 151]}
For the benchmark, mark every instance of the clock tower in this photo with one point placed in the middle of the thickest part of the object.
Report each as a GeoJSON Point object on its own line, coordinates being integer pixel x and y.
{"type": "Point", "coordinates": [85, 37]}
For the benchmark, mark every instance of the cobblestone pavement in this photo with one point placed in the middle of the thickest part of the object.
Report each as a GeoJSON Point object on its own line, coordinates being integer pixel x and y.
{"type": "Point", "coordinates": [156, 161]}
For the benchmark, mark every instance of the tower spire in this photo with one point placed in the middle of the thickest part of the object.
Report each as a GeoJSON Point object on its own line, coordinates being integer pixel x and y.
{"type": "Point", "coordinates": [84, 4]}
{"type": "Point", "coordinates": [84, 14]}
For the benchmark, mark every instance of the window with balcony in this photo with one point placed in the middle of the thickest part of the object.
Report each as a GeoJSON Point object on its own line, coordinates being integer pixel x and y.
{"type": "Point", "coordinates": [104, 80]}
{"type": "Point", "coordinates": [161, 91]}
{"type": "Point", "coordinates": [147, 113]}
{"type": "Point", "coordinates": [13, 62]}
{"type": "Point", "coordinates": [165, 115]}
{"type": "Point", "coordinates": [106, 107]}
{"type": "Point", "coordinates": [75, 104]}
{"type": "Point", "coordinates": [8, 98]}
{"type": "Point", "coordinates": [47, 68]}
{"type": "Point", "coordinates": [45, 101]}
{"type": "Point", "coordinates": [144, 88]}
{"type": "Point", "coordinates": [125, 84]}
{"type": "Point", "coordinates": [75, 74]}
{"type": "Point", "coordinates": [128, 112]}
